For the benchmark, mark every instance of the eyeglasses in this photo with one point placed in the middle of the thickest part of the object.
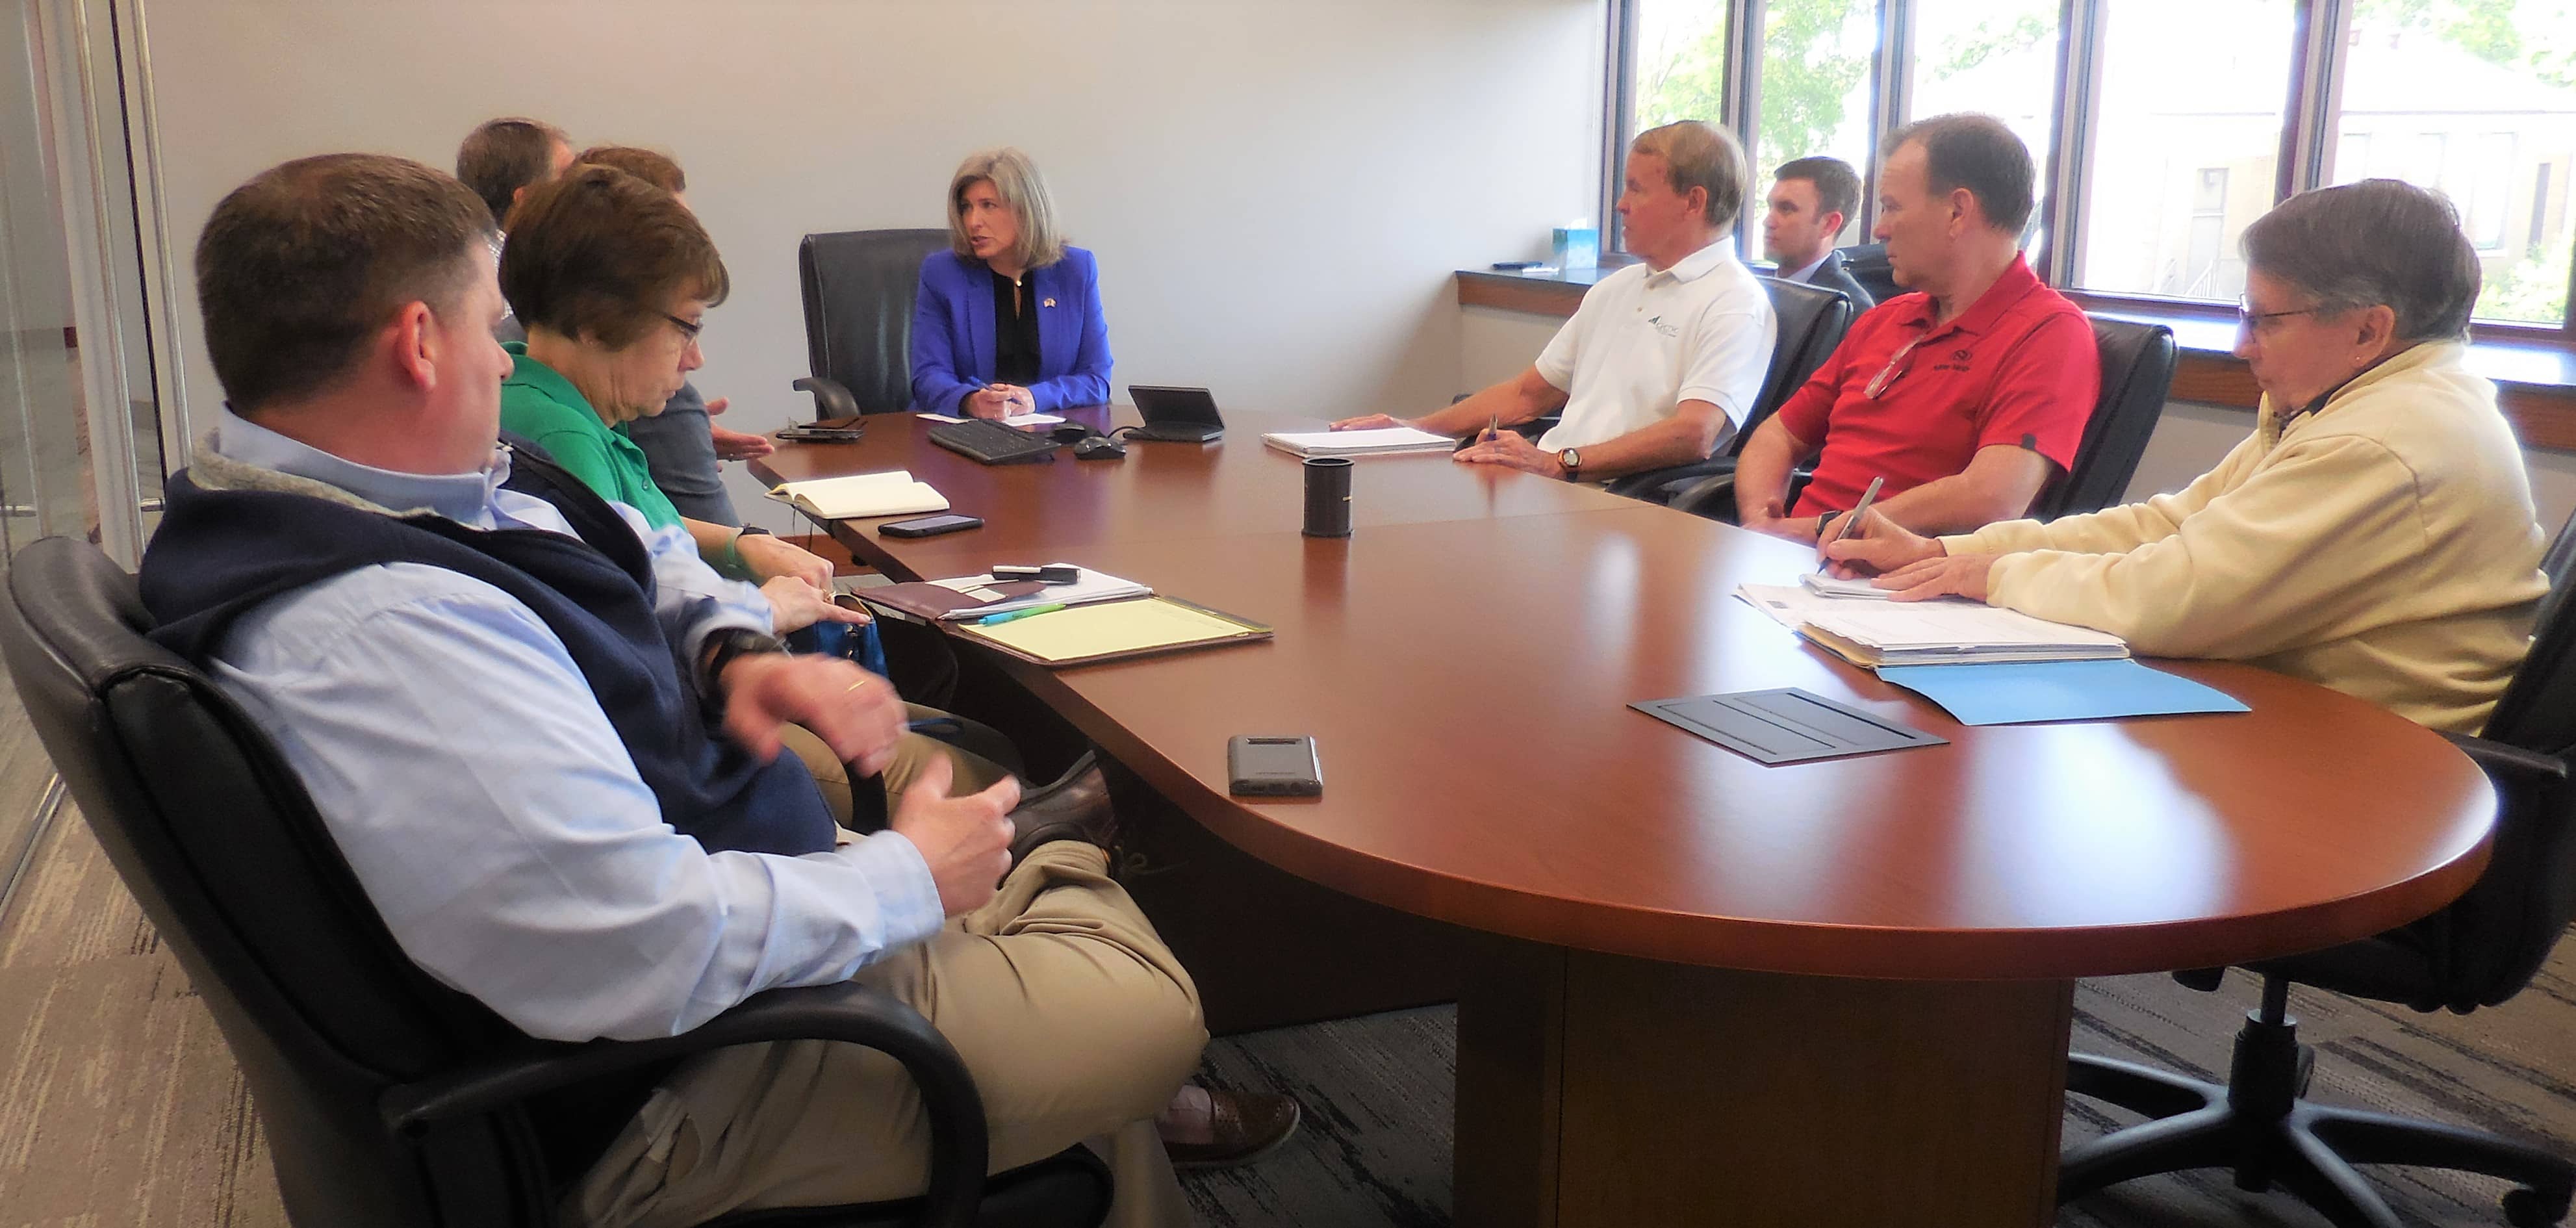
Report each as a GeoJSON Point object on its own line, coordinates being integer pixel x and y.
{"type": "Point", "coordinates": [2247, 318]}
{"type": "Point", "coordinates": [689, 329]}
{"type": "Point", "coordinates": [1894, 368]}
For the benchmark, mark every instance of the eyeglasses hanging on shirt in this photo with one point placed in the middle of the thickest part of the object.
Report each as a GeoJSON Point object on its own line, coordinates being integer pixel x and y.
{"type": "Point", "coordinates": [1895, 367]}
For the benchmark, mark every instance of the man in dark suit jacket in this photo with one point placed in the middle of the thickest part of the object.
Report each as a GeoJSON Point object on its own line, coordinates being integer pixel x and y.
{"type": "Point", "coordinates": [1811, 199]}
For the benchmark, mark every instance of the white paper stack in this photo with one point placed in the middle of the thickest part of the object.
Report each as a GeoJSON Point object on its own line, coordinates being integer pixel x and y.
{"type": "Point", "coordinates": [1944, 632]}
{"type": "Point", "coordinates": [1358, 443]}
{"type": "Point", "coordinates": [891, 493]}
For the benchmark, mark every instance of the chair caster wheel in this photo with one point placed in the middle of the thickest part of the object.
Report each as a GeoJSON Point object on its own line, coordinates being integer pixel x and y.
{"type": "Point", "coordinates": [2528, 1208]}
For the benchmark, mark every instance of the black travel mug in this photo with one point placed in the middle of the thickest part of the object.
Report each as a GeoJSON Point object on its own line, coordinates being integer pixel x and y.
{"type": "Point", "coordinates": [1328, 496]}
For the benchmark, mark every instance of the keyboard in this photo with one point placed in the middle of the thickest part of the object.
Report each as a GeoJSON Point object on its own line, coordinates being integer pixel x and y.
{"type": "Point", "coordinates": [991, 443]}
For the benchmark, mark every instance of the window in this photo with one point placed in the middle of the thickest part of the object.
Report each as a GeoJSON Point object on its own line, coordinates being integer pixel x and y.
{"type": "Point", "coordinates": [2177, 106]}
{"type": "Point", "coordinates": [2480, 95]}
{"type": "Point", "coordinates": [1680, 62]}
{"type": "Point", "coordinates": [1818, 86]}
{"type": "Point", "coordinates": [2162, 128]}
{"type": "Point", "coordinates": [1995, 56]}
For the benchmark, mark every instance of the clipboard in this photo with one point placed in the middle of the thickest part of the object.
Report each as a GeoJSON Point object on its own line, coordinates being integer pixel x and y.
{"type": "Point", "coordinates": [1114, 631]}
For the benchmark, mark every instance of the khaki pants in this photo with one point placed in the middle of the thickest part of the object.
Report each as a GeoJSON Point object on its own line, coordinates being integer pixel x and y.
{"type": "Point", "coordinates": [1076, 1022]}
{"type": "Point", "coordinates": [974, 773]}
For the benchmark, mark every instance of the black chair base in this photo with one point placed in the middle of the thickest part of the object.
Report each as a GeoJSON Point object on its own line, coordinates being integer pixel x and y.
{"type": "Point", "coordinates": [2258, 1126]}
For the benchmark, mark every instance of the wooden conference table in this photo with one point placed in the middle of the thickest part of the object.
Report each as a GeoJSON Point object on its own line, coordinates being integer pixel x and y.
{"type": "Point", "coordinates": [1720, 993]}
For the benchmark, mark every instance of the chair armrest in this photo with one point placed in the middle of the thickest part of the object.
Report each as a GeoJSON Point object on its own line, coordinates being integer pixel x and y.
{"type": "Point", "coordinates": [1712, 497]}
{"type": "Point", "coordinates": [1662, 485]}
{"type": "Point", "coordinates": [849, 1013]}
{"type": "Point", "coordinates": [2507, 763]}
{"type": "Point", "coordinates": [1715, 498]}
{"type": "Point", "coordinates": [831, 400]}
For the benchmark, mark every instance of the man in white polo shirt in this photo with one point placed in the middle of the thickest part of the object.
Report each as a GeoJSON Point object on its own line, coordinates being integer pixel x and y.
{"type": "Point", "coordinates": [1662, 361]}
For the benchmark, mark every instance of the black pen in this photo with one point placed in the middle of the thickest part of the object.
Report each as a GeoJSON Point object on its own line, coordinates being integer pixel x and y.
{"type": "Point", "coordinates": [1866, 498]}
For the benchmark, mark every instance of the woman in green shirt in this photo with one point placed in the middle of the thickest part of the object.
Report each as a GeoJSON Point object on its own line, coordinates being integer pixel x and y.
{"type": "Point", "coordinates": [612, 278]}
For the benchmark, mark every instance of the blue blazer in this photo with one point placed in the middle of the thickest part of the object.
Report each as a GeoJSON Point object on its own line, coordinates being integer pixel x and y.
{"type": "Point", "coordinates": [952, 333]}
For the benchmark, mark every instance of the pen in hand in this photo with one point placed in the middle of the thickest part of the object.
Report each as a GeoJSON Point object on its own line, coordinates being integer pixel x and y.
{"type": "Point", "coordinates": [1849, 522]}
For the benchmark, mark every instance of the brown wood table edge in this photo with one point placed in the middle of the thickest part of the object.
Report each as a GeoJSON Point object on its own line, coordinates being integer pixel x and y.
{"type": "Point", "coordinates": [1761, 945]}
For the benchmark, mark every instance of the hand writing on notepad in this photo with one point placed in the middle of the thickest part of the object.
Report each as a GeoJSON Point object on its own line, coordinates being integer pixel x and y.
{"type": "Point", "coordinates": [1875, 546]}
{"type": "Point", "coordinates": [1910, 566]}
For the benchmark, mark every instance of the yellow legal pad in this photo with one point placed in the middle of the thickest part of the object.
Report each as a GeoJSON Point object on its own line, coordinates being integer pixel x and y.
{"type": "Point", "coordinates": [1114, 629]}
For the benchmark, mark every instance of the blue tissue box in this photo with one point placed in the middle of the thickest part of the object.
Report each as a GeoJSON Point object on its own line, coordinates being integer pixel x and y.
{"type": "Point", "coordinates": [1577, 247]}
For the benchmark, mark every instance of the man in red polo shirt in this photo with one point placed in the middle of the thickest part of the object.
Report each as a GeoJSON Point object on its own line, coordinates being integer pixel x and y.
{"type": "Point", "coordinates": [1967, 395]}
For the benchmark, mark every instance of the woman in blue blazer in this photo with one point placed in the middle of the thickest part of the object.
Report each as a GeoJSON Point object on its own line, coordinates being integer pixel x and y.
{"type": "Point", "coordinates": [1008, 322]}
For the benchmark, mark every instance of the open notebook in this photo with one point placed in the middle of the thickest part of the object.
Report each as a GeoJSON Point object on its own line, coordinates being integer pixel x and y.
{"type": "Point", "coordinates": [891, 493]}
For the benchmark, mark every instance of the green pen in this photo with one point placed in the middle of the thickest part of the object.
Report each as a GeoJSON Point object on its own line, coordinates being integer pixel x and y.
{"type": "Point", "coordinates": [994, 620]}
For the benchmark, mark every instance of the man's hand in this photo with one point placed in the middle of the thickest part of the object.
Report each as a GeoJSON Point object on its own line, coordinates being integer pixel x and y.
{"type": "Point", "coordinates": [966, 841]}
{"type": "Point", "coordinates": [1511, 450]}
{"type": "Point", "coordinates": [1876, 546]}
{"type": "Point", "coordinates": [795, 605]}
{"type": "Point", "coordinates": [854, 712]}
{"type": "Point", "coordinates": [1369, 422]}
{"type": "Point", "coordinates": [1772, 519]}
{"type": "Point", "coordinates": [735, 445]}
{"type": "Point", "coordinates": [769, 557]}
{"type": "Point", "coordinates": [1961, 574]}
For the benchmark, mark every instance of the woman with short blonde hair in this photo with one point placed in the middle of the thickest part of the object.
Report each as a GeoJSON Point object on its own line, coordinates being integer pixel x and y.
{"type": "Point", "coordinates": [1007, 321]}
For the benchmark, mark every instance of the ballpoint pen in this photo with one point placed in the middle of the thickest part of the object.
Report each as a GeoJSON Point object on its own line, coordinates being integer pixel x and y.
{"type": "Point", "coordinates": [1866, 498]}
{"type": "Point", "coordinates": [994, 620]}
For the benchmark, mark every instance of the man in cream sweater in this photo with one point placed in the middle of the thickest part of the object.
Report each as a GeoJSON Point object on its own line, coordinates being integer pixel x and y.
{"type": "Point", "coordinates": [2376, 532]}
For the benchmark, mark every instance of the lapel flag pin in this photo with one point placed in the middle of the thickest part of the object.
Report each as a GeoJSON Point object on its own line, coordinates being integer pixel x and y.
{"type": "Point", "coordinates": [1050, 302]}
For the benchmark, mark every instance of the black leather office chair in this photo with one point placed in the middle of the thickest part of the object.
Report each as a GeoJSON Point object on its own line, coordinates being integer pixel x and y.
{"type": "Point", "coordinates": [388, 1099]}
{"type": "Point", "coordinates": [2479, 951]}
{"type": "Point", "coordinates": [859, 289]}
{"type": "Point", "coordinates": [1812, 321]}
{"type": "Point", "coordinates": [1867, 264]}
{"type": "Point", "coordinates": [2137, 376]}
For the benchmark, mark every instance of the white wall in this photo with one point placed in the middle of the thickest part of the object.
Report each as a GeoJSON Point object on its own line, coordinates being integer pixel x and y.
{"type": "Point", "coordinates": [1278, 190]}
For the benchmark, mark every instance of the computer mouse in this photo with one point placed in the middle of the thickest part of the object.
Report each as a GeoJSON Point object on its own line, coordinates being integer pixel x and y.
{"type": "Point", "coordinates": [1099, 447]}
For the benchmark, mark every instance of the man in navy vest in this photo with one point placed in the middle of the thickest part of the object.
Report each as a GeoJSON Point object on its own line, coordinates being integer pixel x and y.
{"type": "Point", "coordinates": [546, 740]}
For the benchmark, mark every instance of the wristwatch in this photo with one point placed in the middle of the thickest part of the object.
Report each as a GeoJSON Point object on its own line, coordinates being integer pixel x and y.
{"type": "Point", "coordinates": [1571, 461]}
{"type": "Point", "coordinates": [721, 648]}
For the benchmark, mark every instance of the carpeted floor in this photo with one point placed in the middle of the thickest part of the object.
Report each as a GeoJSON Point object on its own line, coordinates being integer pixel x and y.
{"type": "Point", "coordinates": [119, 1105]}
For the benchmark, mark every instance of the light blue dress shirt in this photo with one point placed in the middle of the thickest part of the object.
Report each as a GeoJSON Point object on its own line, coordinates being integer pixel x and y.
{"type": "Point", "coordinates": [489, 809]}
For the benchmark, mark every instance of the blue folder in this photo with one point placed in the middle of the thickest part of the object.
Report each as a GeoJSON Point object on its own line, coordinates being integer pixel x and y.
{"type": "Point", "coordinates": [2015, 692]}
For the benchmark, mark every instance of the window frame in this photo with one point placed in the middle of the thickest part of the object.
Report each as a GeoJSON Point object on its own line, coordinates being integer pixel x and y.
{"type": "Point", "coordinates": [2312, 118]}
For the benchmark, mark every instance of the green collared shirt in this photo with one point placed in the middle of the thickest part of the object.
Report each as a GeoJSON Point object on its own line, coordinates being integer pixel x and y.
{"type": "Point", "coordinates": [539, 403]}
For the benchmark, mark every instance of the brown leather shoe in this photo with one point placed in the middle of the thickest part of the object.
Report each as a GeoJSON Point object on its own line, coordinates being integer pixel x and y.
{"type": "Point", "coordinates": [1074, 807]}
{"type": "Point", "coordinates": [1243, 1127]}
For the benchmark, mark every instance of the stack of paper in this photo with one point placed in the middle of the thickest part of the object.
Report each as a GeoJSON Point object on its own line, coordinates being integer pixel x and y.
{"type": "Point", "coordinates": [1947, 633]}
{"type": "Point", "coordinates": [1091, 588]}
{"type": "Point", "coordinates": [892, 493]}
{"type": "Point", "coordinates": [1944, 632]}
{"type": "Point", "coordinates": [1358, 443]}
